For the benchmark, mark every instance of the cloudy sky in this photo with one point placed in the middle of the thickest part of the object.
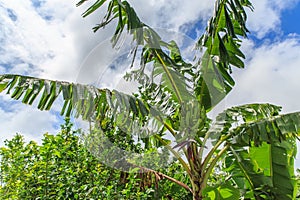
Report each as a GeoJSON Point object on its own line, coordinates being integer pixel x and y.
{"type": "Point", "coordinates": [50, 39]}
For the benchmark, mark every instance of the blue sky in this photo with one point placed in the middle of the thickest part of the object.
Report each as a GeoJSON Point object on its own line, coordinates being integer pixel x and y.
{"type": "Point", "coordinates": [290, 20]}
{"type": "Point", "coordinates": [49, 39]}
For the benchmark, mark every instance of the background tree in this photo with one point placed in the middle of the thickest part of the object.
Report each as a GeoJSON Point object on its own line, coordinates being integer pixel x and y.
{"type": "Point", "coordinates": [253, 145]}
{"type": "Point", "coordinates": [62, 168]}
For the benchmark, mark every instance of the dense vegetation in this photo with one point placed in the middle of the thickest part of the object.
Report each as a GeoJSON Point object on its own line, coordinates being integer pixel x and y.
{"type": "Point", "coordinates": [62, 168]}
{"type": "Point", "coordinates": [253, 146]}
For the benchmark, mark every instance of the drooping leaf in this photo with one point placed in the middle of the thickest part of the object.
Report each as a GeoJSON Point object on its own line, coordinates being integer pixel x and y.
{"type": "Point", "coordinates": [124, 111]}
{"type": "Point", "coordinates": [233, 117]}
{"type": "Point", "coordinates": [273, 129]}
{"type": "Point", "coordinates": [221, 44]}
{"type": "Point", "coordinates": [86, 101]}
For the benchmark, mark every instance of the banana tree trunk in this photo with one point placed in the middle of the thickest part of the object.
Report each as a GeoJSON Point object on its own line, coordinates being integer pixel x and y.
{"type": "Point", "coordinates": [196, 176]}
{"type": "Point", "coordinates": [197, 185]}
{"type": "Point", "coordinates": [197, 191]}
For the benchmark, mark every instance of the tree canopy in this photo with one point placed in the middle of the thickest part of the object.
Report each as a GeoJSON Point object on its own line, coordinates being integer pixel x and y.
{"type": "Point", "coordinates": [62, 168]}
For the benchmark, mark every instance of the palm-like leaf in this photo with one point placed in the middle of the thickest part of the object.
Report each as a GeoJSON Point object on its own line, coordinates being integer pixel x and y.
{"type": "Point", "coordinates": [261, 149]}
{"type": "Point", "coordinates": [256, 123]}
{"type": "Point", "coordinates": [233, 117]}
{"type": "Point", "coordinates": [100, 106]}
{"type": "Point", "coordinates": [274, 129]}
{"type": "Point", "coordinates": [222, 44]}
{"type": "Point", "coordinates": [84, 101]}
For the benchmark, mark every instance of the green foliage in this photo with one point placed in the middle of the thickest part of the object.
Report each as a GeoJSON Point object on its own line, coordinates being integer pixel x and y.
{"type": "Point", "coordinates": [298, 183]}
{"type": "Point", "coordinates": [268, 167]}
{"type": "Point", "coordinates": [221, 42]}
{"type": "Point", "coordinates": [222, 192]}
{"type": "Point", "coordinates": [61, 168]}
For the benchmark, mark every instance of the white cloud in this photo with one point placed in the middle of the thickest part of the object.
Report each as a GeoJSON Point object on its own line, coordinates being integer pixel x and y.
{"type": "Point", "coordinates": [26, 120]}
{"type": "Point", "coordinates": [49, 46]}
{"type": "Point", "coordinates": [272, 75]}
{"type": "Point", "coordinates": [23, 37]}
{"type": "Point", "coordinates": [172, 14]}
{"type": "Point", "coordinates": [266, 15]}
{"type": "Point", "coordinates": [56, 47]}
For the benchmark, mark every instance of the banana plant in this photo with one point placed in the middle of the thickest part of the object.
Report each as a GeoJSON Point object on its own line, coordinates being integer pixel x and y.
{"type": "Point", "coordinates": [253, 146]}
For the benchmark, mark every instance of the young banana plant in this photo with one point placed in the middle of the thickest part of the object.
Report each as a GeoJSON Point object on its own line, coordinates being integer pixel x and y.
{"type": "Point", "coordinates": [253, 146]}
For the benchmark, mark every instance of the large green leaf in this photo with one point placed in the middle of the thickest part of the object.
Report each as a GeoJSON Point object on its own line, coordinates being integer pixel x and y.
{"type": "Point", "coordinates": [255, 123]}
{"type": "Point", "coordinates": [45, 92]}
{"type": "Point", "coordinates": [264, 172]}
{"type": "Point", "coordinates": [210, 87]}
{"type": "Point", "coordinates": [84, 101]}
{"type": "Point", "coordinates": [223, 191]}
